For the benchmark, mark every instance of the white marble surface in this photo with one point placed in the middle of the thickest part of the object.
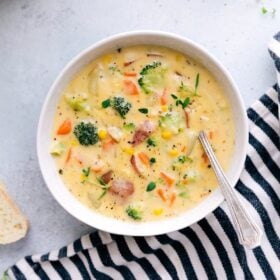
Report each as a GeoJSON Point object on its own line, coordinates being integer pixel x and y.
{"type": "Point", "coordinates": [37, 38]}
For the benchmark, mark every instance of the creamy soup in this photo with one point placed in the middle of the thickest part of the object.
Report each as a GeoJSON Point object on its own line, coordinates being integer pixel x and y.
{"type": "Point", "coordinates": [125, 133]}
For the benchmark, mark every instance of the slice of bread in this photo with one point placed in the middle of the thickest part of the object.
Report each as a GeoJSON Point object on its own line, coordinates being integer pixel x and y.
{"type": "Point", "coordinates": [13, 224]}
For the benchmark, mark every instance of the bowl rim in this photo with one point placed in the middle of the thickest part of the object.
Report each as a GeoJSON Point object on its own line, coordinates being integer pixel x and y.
{"type": "Point", "coordinates": [145, 228]}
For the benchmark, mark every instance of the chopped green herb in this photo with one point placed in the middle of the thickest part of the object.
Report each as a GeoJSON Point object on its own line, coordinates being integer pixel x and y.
{"type": "Point", "coordinates": [152, 160]}
{"type": "Point", "coordinates": [151, 186]}
{"type": "Point", "coordinates": [174, 96]}
{"type": "Point", "coordinates": [133, 213]}
{"type": "Point", "coordinates": [182, 159]}
{"type": "Point", "coordinates": [151, 142]}
{"type": "Point", "coordinates": [184, 103]}
{"type": "Point", "coordinates": [106, 103]}
{"type": "Point", "coordinates": [183, 88]}
{"type": "Point", "coordinates": [86, 172]}
{"type": "Point", "coordinates": [105, 190]}
{"type": "Point", "coordinates": [105, 187]}
{"type": "Point", "coordinates": [143, 110]}
{"type": "Point", "coordinates": [102, 194]}
{"type": "Point", "coordinates": [101, 181]}
{"type": "Point", "coordinates": [196, 83]}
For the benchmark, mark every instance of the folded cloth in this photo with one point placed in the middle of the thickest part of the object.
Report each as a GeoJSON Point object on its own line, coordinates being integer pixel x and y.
{"type": "Point", "coordinates": [208, 249]}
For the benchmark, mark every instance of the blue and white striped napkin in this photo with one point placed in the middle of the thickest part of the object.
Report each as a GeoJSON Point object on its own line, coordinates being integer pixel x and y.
{"type": "Point", "coordinates": [206, 250]}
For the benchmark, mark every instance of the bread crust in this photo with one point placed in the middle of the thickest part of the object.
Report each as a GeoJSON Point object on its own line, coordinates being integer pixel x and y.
{"type": "Point", "coordinates": [22, 229]}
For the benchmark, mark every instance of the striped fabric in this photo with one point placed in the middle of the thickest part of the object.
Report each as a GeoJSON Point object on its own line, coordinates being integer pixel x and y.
{"type": "Point", "coordinates": [206, 250]}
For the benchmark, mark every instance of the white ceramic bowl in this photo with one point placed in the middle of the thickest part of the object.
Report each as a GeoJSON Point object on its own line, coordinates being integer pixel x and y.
{"type": "Point", "coordinates": [47, 164]}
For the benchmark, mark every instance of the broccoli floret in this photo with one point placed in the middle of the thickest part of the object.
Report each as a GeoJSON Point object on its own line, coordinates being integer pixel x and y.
{"type": "Point", "coordinates": [121, 105]}
{"type": "Point", "coordinates": [78, 102]}
{"type": "Point", "coordinates": [134, 213]}
{"type": "Point", "coordinates": [172, 121]}
{"type": "Point", "coordinates": [86, 133]}
{"type": "Point", "coordinates": [57, 148]}
{"type": "Point", "coordinates": [152, 77]}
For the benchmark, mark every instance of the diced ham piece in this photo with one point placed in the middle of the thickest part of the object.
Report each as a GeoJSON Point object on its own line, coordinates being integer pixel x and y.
{"type": "Point", "coordinates": [143, 132]}
{"type": "Point", "coordinates": [122, 188]}
{"type": "Point", "coordinates": [137, 165]}
{"type": "Point", "coordinates": [139, 137]}
{"type": "Point", "coordinates": [106, 177]}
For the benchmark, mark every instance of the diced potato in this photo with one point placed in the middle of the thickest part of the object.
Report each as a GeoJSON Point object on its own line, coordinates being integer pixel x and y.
{"type": "Point", "coordinates": [115, 133]}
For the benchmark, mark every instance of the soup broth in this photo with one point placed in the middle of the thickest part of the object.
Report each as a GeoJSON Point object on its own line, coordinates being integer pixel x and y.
{"type": "Point", "coordinates": [125, 133]}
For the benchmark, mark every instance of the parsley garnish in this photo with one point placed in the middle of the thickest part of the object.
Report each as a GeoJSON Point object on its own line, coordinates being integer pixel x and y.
{"type": "Point", "coordinates": [184, 103]}
{"type": "Point", "coordinates": [106, 103]}
{"type": "Point", "coordinates": [86, 174]}
{"type": "Point", "coordinates": [196, 83]}
{"type": "Point", "coordinates": [105, 187]}
{"type": "Point", "coordinates": [152, 160]}
{"type": "Point", "coordinates": [143, 110]}
{"type": "Point", "coordinates": [151, 142]}
{"type": "Point", "coordinates": [151, 186]}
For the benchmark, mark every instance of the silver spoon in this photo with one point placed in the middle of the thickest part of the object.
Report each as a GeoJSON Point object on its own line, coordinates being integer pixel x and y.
{"type": "Point", "coordinates": [249, 234]}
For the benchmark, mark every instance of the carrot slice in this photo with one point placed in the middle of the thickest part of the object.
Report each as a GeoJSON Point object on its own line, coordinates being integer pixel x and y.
{"type": "Point", "coordinates": [130, 87]}
{"type": "Point", "coordinates": [205, 158]}
{"type": "Point", "coordinates": [167, 178]}
{"type": "Point", "coordinates": [68, 157]}
{"type": "Point", "coordinates": [164, 97]}
{"type": "Point", "coordinates": [144, 158]}
{"type": "Point", "coordinates": [161, 194]}
{"type": "Point", "coordinates": [65, 127]}
{"type": "Point", "coordinates": [172, 199]}
{"type": "Point", "coordinates": [107, 145]}
{"type": "Point", "coordinates": [184, 149]}
{"type": "Point", "coordinates": [130, 74]}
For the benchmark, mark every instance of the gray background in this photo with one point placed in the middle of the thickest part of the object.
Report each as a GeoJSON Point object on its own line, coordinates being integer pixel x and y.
{"type": "Point", "coordinates": [37, 38]}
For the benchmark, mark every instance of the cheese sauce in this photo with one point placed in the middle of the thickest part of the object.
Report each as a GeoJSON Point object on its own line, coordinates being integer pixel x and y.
{"type": "Point", "coordinates": [125, 133]}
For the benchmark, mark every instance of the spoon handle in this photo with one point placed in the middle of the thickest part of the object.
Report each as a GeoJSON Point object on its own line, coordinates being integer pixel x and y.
{"type": "Point", "coordinates": [249, 234]}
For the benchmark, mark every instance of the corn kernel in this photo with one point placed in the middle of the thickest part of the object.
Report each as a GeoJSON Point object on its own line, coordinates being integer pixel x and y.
{"type": "Point", "coordinates": [107, 58]}
{"type": "Point", "coordinates": [166, 134]}
{"type": "Point", "coordinates": [74, 142]}
{"type": "Point", "coordinates": [164, 108]}
{"type": "Point", "coordinates": [173, 152]}
{"type": "Point", "coordinates": [158, 211]}
{"type": "Point", "coordinates": [82, 177]}
{"type": "Point", "coordinates": [129, 150]}
{"type": "Point", "coordinates": [102, 134]}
